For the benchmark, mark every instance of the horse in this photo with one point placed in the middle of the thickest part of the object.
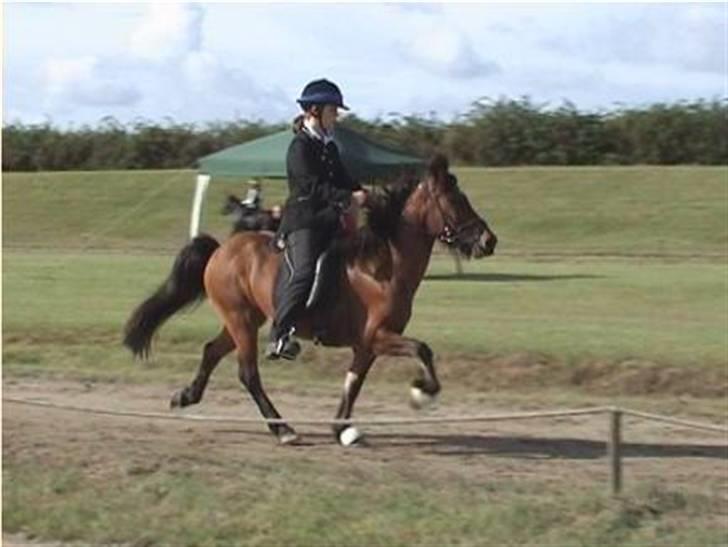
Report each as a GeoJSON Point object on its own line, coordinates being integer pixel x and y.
{"type": "Point", "coordinates": [383, 268]}
{"type": "Point", "coordinates": [247, 219]}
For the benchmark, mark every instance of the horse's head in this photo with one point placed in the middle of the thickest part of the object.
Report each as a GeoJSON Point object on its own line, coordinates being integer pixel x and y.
{"type": "Point", "coordinates": [231, 205]}
{"type": "Point", "coordinates": [448, 215]}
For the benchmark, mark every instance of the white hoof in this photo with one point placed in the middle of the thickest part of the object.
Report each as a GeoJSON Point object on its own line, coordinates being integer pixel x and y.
{"type": "Point", "coordinates": [350, 436]}
{"type": "Point", "coordinates": [288, 438]}
{"type": "Point", "coordinates": [420, 399]}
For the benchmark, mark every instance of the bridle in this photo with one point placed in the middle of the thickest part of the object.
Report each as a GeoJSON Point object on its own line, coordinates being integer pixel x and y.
{"type": "Point", "coordinates": [451, 231]}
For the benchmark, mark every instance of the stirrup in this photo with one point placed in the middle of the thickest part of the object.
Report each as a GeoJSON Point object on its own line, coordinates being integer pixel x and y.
{"type": "Point", "coordinates": [286, 347]}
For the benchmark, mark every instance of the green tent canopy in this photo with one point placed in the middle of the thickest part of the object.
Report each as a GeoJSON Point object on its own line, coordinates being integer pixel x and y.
{"type": "Point", "coordinates": [266, 158]}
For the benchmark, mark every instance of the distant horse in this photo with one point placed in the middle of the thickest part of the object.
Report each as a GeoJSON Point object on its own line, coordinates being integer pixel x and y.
{"type": "Point", "coordinates": [369, 311]}
{"type": "Point", "coordinates": [247, 219]}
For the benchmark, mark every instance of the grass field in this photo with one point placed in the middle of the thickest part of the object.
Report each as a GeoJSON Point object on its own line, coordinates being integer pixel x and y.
{"type": "Point", "coordinates": [636, 269]}
{"type": "Point", "coordinates": [618, 210]}
{"type": "Point", "coordinates": [314, 506]}
{"type": "Point", "coordinates": [659, 312]}
{"type": "Point", "coordinates": [609, 284]}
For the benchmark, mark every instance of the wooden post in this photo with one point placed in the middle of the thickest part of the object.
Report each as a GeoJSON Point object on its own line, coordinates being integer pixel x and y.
{"type": "Point", "coordinates": [614, 451]}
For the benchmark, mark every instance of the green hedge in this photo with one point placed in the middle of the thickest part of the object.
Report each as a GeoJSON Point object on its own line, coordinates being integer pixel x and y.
{"type": "Point", "coordinates": [492, 132]}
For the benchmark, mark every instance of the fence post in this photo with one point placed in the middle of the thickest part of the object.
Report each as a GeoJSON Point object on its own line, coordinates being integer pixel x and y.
{"type": "Point", "coordinates": [614, 451]}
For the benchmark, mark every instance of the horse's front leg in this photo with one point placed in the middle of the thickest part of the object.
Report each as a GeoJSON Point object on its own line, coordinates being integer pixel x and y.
{"type": "Point", "coordinates": [347, 434]}
{"type": "Point", "coordinates": [426, 386]}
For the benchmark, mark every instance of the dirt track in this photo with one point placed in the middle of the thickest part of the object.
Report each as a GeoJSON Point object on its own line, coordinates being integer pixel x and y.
{"type": "Point", "coordinates": [546, 449]}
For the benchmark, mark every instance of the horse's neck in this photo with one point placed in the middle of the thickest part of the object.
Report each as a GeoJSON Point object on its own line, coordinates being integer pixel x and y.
{"type": "Point", "coordinates": [411, 250]}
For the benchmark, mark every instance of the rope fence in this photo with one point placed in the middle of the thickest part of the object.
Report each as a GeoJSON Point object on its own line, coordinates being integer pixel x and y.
{"type": "Point", "coordinates": [613, 444]}
{"type": "Point", "coordinates": [317, 421]}
{"type": "Point", "coordinates": [675, 421]}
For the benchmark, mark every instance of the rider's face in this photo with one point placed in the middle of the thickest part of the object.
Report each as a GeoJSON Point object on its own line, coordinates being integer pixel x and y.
{"type": "Point", "coordinates": [329, 115]}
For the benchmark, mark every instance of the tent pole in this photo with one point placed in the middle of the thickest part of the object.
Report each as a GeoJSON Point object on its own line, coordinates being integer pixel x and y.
{"type": "Point", "coordinates": [203, 181]}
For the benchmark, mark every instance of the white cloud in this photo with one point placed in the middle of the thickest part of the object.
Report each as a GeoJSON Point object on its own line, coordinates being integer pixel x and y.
{"type": "Point", "coordinates": [207, 76]}
{"type": "Point", "coordinates": [82, 81]}
{"type": "Point", "coordinates": [203, 69]}
{"type": "Point", "coordinates": [25, 117]}
{"type": "Point", "coordinates": [419, 7]}
{"type": "Point", "coordinates": [690, 37]}
{"type": "Point", "coordinates": [168, 31]}
{"type": "Point", "coordinates": [448, 53]}
{"type": "Point", "coordinates": [704, 38]}
{"type": "Point", "coordinates": [219, 61]}
{"type": "Point", "coordinates": [164, 73]}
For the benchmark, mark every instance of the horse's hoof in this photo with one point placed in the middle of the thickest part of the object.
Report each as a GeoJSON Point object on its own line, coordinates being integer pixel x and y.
{"type": "Point", "coordinates": [288, 437]}
{"type": "Point", "coordinates": [351, 436]}
{"type": "Point", "coordinates": [420, 399]}
{"type": "Point", "coordinates": [178, 400]}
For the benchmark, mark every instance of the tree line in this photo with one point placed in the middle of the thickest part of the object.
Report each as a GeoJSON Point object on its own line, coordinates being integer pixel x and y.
{"type": "Point", "coordinates": [491, 133]}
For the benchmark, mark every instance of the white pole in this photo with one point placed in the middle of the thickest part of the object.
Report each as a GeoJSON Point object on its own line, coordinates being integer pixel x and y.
{"type": "Point", "coordinates": [203, 181]}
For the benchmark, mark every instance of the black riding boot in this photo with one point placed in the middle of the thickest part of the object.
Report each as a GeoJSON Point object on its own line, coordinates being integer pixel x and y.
{"type": "Point", "coordinates": [293, 285]}
{"type": "Point", "coordinates": [284, 346]}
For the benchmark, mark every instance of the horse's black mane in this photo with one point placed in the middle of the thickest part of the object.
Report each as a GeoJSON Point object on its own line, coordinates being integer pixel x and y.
{"type": "Point", "coordinates": [383, 213]}
{"type": "Point", "coordinates": [384, 209]}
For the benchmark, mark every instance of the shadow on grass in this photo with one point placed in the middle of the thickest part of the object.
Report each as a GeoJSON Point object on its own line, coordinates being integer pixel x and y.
{"type": "Point", "coordinates": [547, 448]}
{"type": "Point", "coordinates": [506, 278]}
{"type": "Point", "coordinates": [506, 446]}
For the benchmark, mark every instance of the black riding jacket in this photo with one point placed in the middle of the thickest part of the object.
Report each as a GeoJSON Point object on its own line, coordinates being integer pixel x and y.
{"type": "Point", "coordinates": [319, 186]}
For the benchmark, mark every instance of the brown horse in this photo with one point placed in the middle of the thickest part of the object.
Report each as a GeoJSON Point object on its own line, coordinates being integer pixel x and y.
{"type": "Point", "coordinates": [372, 305]}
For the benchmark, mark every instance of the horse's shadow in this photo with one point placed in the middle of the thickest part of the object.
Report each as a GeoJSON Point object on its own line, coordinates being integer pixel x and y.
{"type": "Point", "coordinates": [506, 278]}
{"type": "Point", "coordinates": [544, 447]}
{"type": "Point", "coordinates": [510, 446]}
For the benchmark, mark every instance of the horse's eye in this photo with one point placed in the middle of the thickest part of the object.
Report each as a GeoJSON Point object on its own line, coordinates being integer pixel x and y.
{"type": "Point", "coordinates": [452, 181]}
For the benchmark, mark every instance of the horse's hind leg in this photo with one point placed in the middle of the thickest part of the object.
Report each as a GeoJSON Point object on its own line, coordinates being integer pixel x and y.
{"type": "Point", "coordinates": [246, 340]}
{"type": "Point", "coordinates": [213, 353]}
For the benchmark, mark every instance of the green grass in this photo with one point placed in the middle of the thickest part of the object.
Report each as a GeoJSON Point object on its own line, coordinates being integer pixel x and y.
{"type": "Point", "coordinates": [612, 210]}
{"type": "Point", "coordinates": [602, 327]}
{"type": "Point", "coordinates": [64, 307]}
{"type": "Point", "coordinates": [619, 210]}
{"type": "Point", "coordinates": [669, 313]}
{"type": "Point", "coordinates": [618, 310]}
{"type": "Point", "coordinates": [202, 502]}
{"type": "Point", "coordinates": [114, 210]}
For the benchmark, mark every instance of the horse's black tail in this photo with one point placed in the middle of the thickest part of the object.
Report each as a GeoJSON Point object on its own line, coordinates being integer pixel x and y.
{"type": "Point", "coordinates": [183, 286]}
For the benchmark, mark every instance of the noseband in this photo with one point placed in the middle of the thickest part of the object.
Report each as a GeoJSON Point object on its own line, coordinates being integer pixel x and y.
{"type": "Point", "coordinates": [451, 231]}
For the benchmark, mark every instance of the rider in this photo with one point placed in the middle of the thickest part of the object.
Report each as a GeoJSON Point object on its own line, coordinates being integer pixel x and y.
{"type": "Point", "coordinates": [320, 191]}
{"type": "Point", "coordinates": [254, 196]}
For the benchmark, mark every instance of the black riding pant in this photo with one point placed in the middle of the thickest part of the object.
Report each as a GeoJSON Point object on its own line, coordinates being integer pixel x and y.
{"type": "Point", "coordinates": [295, 278]}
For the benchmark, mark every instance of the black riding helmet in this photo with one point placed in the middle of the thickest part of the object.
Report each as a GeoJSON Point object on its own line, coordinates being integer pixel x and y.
{"type": "Point", "coordinates": [321, 92]}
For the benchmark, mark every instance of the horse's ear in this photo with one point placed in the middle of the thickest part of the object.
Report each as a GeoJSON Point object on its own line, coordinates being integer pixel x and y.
{"type": "Point", "coordinates": [438, 166]}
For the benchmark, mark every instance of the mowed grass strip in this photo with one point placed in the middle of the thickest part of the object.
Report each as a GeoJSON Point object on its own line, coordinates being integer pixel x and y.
{"type": "Point", "coordinates": [83, 248]}
{"type": "Point", "coordinates": [671, 211]}
{"type": "Point", "coordinates": [673, 314]}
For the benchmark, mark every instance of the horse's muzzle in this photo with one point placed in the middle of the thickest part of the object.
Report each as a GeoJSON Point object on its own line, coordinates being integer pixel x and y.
{"type": "Point", "coordinates": [485, 246]}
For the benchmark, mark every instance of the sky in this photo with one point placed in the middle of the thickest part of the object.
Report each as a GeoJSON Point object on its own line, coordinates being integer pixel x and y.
{"type": "Point", "coordinates": [73, 64]}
